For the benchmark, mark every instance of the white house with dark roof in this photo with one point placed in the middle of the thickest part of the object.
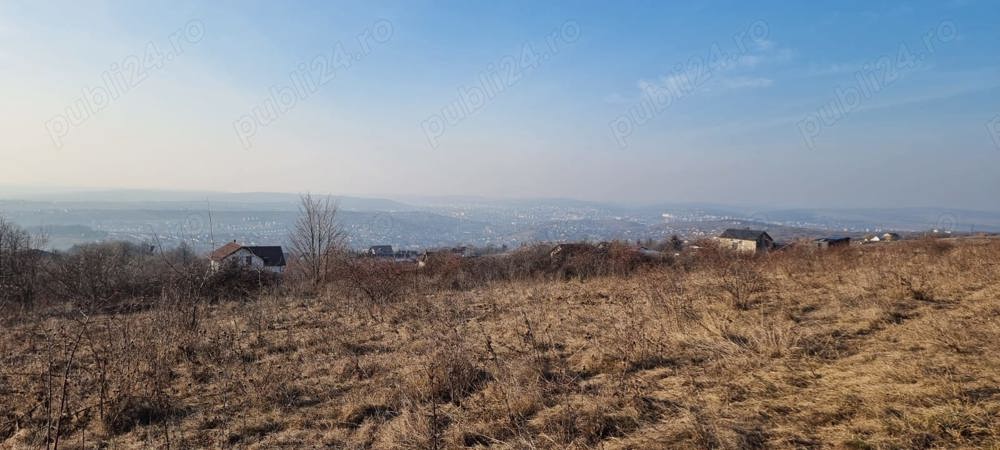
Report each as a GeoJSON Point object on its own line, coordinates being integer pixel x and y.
{"type": "Point", "coordinates": [264, 258]}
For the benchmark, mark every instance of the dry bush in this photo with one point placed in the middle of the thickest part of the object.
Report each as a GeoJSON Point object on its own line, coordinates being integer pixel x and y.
{"type": "Point", "coordinates": [113, 371]}
{"type": "Point", "coordinates": [415, 429]}
{"type": "Point", "coordinates": [98, 276]}
{"type": "Point", "coordinates": [20, 266]}
{"type": "Point", "coordinates": [578, 424]}
{"type": "Point", "coordinates": [448, 373]}
{"type": "Point", "coordinates": [744, 283]}
{"type": "Point", "coordinates": [667, 291]}
{"type": "Point", "coordinates": [934, 247]}
{"type": "Point", "coordinates": [704, 254]}
{"type": "Point", "coordinates": [576, 261]}
{"type": "Point", "coordinates": [444, 268]}
{"type": "Point", "coordinates": [639, 339]}
{"type": "Point", "coordinates": [376, 283]}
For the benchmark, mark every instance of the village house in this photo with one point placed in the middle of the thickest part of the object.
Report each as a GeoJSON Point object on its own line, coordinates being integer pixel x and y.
{"type": "Point", "coordinates": [406, 255]}
{"type": "Point", "coordinates": [832, 242]}
{"type": "Point", "coordinates": [427, 255]}
{"type": "Point", "coordinates": [380, 251]}
{"type": "Point", "coordinates": [746, 240]}
{"type": "Point", "coordinates": [891, 237]}
{"type": "Point", "coordinates": [263, 258]}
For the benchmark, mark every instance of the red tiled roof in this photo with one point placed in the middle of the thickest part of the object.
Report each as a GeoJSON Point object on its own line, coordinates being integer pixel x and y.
{"type": "Point", "coordinates": [222, 252]}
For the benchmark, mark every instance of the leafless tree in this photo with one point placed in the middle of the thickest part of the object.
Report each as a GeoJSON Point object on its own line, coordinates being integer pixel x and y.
{"type": "Point", "coordinates": [19, 263]}
{"type": "Point", "coordinates": [318, 238]}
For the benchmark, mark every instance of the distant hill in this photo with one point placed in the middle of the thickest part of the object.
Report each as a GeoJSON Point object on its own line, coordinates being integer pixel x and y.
{"type": "Point", "coordinates": [156, 199]}
{"type": "Point", "coordinates": [262, 218]}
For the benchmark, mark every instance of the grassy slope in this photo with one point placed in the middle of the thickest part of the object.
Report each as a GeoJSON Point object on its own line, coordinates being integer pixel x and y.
{"type": "Point", "coordinates": [881, 347]}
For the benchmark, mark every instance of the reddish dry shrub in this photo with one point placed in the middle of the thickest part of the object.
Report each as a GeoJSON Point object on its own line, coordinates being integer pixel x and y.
{"type": "Point", "coordinates": [377, 283]}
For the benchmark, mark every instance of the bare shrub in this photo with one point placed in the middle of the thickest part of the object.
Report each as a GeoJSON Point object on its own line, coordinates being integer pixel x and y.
{"type": "Point", "coordinates": [772, 337]}
{"type": "Point", "coordinates": [934, 247]}
{"type": "Point", "coordinates": [97, 276]}
{"type": "Point", "coordinates": [667, 292]}
{"type": "Point", "coordinates": [377, 283]}
{"type": "Point", "coordinates": [578, 261]}
{"type": "Point", "coordinates": [317, 239]}
{"type": "Point", "coordinates": [579, 423]}
{"type": "Point", "coordinates": [447, 373]}
{"type": "Point", "coordinates": [415, 428]}
{"type": "Point", "coordinates": [122, 276]}
{"type": "Point", "coordinates": [20, 261]}
{"type": "Point", "coordinates": [443, 270]}
{"type": "Point", "coordinates": [127, 412]}
{"type": "Point", "coordinates": [743, 282]}
{"type": "Point", "coordinates": [639, 340]}
{"type": "Point", "coordinates": [235, 282]}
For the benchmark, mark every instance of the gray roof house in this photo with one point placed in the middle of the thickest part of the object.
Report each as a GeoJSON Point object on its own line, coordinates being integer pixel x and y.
{"type": "Point", "coordinates": [746, 240]}
{"type": "Point", "coordinates": [830, 242]}
{"type": "Point", "coordinates": [381, 251]}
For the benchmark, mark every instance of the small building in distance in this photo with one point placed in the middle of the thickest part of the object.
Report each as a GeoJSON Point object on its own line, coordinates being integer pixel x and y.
{"type": "Point", "coordinates": [269, 258]}
{"type": "Point", "coordinates": [380, 251]}
{"type": "Point", "coordinates": [832, 242]}
{"type": "Point", "coordinates": [891, 237]}
{"type": "Point", "coordinates": [746, 240]}
{"type": "Point", "coordinates": [406, 255]}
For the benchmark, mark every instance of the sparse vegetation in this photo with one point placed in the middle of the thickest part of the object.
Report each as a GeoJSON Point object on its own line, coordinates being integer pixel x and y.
{"type": "Point", "coordinates": [888, 346]}
{"type": "Point", "coordinates": [317, 239]}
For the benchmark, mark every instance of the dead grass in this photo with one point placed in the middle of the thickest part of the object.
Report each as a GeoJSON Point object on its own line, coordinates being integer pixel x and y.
{"type": "Point", "coordinates": [888, 346]}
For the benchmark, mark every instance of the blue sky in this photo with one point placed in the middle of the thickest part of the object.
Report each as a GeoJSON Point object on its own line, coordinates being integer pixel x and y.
{"type": "Point", "coordinates": [637, 101]}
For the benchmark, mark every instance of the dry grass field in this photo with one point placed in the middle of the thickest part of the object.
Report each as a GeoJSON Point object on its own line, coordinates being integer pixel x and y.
{"type": "Point", "coordinates": [885, 346]}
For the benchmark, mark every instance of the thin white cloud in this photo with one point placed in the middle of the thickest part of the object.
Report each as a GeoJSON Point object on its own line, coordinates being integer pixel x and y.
{"type": "Point", "coordinates": [954, 89]}
{"type": "Point", "coordinates": [737, 75]}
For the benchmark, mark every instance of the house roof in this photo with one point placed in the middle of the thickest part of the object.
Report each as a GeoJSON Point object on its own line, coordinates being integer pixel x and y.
{"type": "Point", "coordinates": [380, 250]}
{"type": "Point", "coordinates": [273, 255]}
{"type": "Point", "coordinates": [222, 252]}
{"type": "Point", "coordinates": [39, 253]}
{"type": "Point", "coordinates": [744, 234]}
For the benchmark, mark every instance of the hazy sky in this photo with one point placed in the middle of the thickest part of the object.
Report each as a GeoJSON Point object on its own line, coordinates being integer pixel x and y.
{"type": "Point", "coordinates": [783, 103]}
